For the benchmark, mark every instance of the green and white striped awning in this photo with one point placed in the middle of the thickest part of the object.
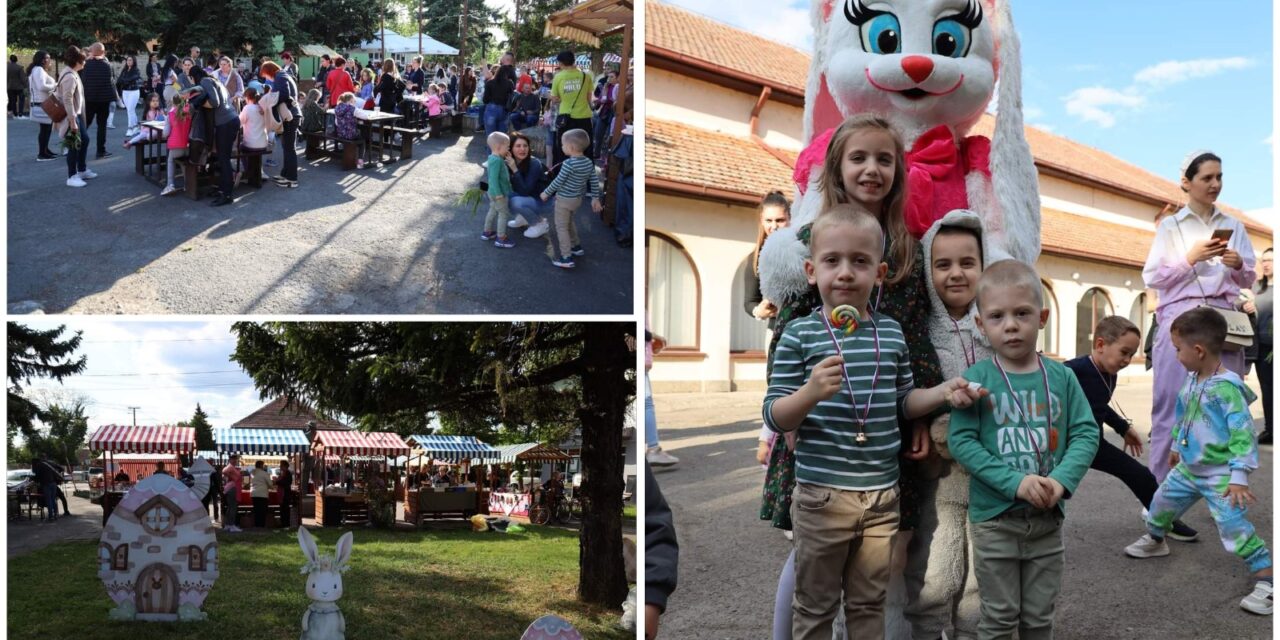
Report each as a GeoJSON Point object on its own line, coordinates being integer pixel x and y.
{"type": "Point", "coordinates": [280, 442]}
{"type": "Point", "coordinates": [453, 448]}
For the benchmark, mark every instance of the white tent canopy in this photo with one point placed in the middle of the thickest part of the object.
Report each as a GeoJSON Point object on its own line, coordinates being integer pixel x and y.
{"type": "Point", "coordinates": [397, 43]}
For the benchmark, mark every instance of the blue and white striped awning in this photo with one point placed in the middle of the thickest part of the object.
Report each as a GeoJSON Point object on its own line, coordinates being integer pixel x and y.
{"type": "Point", "coordinates": [453, 448]}
{"type": "Point", "coordinates": [280, 442]}
{"type": "Point", "coordinates": [507, 453]}
{"type": "Point", "coordinates": [210, 455]}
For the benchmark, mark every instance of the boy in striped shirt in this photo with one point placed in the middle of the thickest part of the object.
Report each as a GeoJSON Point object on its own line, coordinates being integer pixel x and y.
{"type": "Point", "coordinates": [843, 388]}
{"type": "Point", "coordinates": [577, 178]}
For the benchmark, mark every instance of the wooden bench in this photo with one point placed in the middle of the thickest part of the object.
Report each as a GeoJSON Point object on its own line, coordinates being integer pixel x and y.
{"type": "Point", "coordinates": [407, 138]}
{"type": "Point", "coordinates": [196, 178]}
{"type": "Point", "coordinates": [317, 148]}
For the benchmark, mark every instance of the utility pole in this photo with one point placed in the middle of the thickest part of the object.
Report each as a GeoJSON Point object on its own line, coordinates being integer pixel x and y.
{"type": "Point", "coordinates": [419, 27]}
{"type": "Point", "coordinates": [515, 37]}
{"type": "Point", "coordinates": [135, 415]}
{"type": "Point", "coordinates": [382, 39]}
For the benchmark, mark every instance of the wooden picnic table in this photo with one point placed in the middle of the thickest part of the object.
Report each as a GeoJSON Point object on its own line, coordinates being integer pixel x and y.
{"type": "Point", "coordinates": [367, 121]}
{"type": "Point", "coordinates": [151, 156]}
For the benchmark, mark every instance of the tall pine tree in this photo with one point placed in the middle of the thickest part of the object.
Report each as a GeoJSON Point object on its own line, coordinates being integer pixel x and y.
{"type": "Point", "coordinates": [36, 354]}
{"type": "Point", "coordinates": [204, 431]}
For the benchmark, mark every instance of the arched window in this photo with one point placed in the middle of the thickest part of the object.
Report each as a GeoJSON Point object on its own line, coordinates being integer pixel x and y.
{"type": "Point", "coordinates": [673, 292]}
{"type": "Point", "coordinates": [746, 333]}
{"type": "Point", "coordinates": [1139, 315]}
{"type": "Point", "coordinates": [1094, 306]}
{"type": "Point", "coordinates": [1048, 341]}
{"type": "Point", "coordinates": [120, 559]}
{"type": "Point", "coordinates": [195, 558]}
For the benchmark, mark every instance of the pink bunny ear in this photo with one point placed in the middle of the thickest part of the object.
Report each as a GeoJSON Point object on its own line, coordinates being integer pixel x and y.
{"type": "Point", "coordinates": [344, 549]}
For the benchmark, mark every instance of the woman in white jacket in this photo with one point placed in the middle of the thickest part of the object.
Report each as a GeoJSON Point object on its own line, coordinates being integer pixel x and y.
{"type": "Point", "coordinates": [71, 92]}
{"type": "Point", "coordinates": [41, 84]}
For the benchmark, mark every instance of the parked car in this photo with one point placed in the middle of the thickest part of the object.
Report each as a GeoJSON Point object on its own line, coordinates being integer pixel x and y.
{"type": "Point", "coordinates": [21, 479]}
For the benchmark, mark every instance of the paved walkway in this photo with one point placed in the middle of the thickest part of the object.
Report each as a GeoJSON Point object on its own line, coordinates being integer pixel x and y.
{"type": "Point", "coordinates": [384, 241]}
{"type": "Point", "coordinates": [729, 559]}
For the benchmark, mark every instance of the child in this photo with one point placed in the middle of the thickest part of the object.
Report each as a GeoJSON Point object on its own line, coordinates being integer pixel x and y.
{"type": "Point", "coordinates": [154, 114]}
{"type": "Point", "coordinates": [1214, 450]}
{"type": "Point", "coordinates": [499, 192]}
{"type": "Point", "coordinates": [1027, 446]}
{"type": "Point", "coordinates": [846, 492]}
{"type": "Point", "coordinates": [253, 125]}
{"type": "Point", "coordinates": [1115, 340]}
{"type": "Point", "coordinates": [577, 178]}
{"type": "Point", "coordinates": [313, 113]}
{"type": "Point", "coordinates": [864, 164]}
{"type": "Point", "coordinates": [433, 100]}
{"type": "Point", "coordinates": [344, 123]}
{"type": "Point", "coordinates": [941, 589]}
{"type": "Point", "coordinates": [177, 131]}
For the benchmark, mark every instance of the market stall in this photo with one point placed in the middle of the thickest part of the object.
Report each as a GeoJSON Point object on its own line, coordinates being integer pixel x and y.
{"type": "Point", "coordinates": [153, 440]}
{"type": "Point", "coordinates": [518, 504]}
{"type": "Point", "coordinates": [351, 501]}
{"type": "Point", "coordinates": [435, 500]}
{"type": "Point", "coordinates": [271, 446]}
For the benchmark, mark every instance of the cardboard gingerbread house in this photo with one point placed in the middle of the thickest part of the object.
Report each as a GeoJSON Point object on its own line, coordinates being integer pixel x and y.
{"type": "Point", "coordinates": [158, 555]}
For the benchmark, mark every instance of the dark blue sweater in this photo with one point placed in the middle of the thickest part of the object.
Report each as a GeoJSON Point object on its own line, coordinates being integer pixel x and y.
{"type": "Point", "coordinates": [530, 182]}
{"type": "Point", "coordinates": [1098, 393]}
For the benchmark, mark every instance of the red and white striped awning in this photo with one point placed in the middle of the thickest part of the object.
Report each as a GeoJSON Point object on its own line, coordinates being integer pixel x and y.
{"type": "Point", "coordinates": [387, 443]}
{"type": "Point", "coordinates": [355, 443]}
{"type": "Point", "coordinates": [157, 439]}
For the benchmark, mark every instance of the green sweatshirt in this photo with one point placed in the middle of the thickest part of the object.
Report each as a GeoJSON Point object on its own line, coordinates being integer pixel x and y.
{"type": "Point", "coordinates": [499, 177]}
{"type": "Point", "coordinates": [992, 441]}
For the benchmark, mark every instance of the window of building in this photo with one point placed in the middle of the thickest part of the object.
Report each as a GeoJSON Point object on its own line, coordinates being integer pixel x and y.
{"type": "Point", "coordinates": [120, 559]}
{"type": "Point", "coordinates": [746, 333]}
{"type": "Point", "coordinates": [1048, 342]}
{"type": "Point", "coordinates": [158, 515]}
{"type": "Point", "coordinates": [672, 292]}
{"type": "Point", "coordinates": [195, 558]}
{"type": "Point", "coordinates": [1094, 306]}
{"type": "Point", "coordinates": [1139, 315]}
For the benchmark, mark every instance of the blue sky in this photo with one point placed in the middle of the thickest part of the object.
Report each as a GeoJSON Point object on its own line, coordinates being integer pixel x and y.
{"type": "Point", "coordinates": [164, 368]}
{"type": "Point", "coordinates": [1147, 82]}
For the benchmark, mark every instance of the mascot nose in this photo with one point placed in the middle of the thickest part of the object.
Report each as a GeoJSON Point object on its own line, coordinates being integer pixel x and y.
{"type": "Point", "coordinates": [917, 67]}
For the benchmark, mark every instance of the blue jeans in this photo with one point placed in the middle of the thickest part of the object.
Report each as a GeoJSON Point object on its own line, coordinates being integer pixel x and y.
{"type": "Point", "coordinates": [50, 494]}
{"type": "Point", "coordinates": [521, 121]}
{"type": "Point", "coordinates": [650, 419]}
{"type": "Point", "coordinates": [531, 209]}
{"type": "Point", "coordinates": [623, 217]}
{"type": "Point", "coordinates": [495, 118]}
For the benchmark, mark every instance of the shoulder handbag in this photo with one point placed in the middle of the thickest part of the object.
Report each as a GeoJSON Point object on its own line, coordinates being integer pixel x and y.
{"type": "Point", "coordinates": [53, 106]}
{"type": "Point", "coordinates": [562, 120]}
{"type": "Point", "coordinates": [1239, 329]}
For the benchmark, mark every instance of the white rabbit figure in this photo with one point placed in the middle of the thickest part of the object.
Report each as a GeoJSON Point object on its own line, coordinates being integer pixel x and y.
{"type": "Point", "coordinates": [323, 620]}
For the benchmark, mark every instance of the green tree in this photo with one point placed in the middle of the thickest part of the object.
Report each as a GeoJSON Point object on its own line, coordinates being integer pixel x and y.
{"type": "Point", "coordinates": [526, 36]}
{"type": "Point", "coordinates": [204, 431]}
{"type": "Point", "coordinates": [340, 24]}
{"type": "Point", "coordinates": [443, 20]}
{"type": "Point", "coordinates": [36, 354]}
{"type": "Point", "coordinates": [497, 381]}
{"type": "Point", "coordinates": [235, 27]}
{"type": "Point", "coordinates": [64, 433]}
{"type": "Point", "coordinates": [122, 25]}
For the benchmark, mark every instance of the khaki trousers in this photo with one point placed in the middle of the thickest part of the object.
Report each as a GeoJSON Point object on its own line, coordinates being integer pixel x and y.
{"type": "Point", "coordinates": [844, 541]}
{"type": "Point", "coordinates": [1018, 556]}
{"type": "Point", "coordinates": [566, 230]}
{"type": "Point", "coordinates": [499, 212]}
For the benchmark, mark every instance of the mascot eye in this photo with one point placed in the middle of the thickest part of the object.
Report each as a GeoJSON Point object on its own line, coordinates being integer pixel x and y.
{"type": "Point", "coordinates": [882, 34]}
{"type": "Point", "coordinates": [951, 38]}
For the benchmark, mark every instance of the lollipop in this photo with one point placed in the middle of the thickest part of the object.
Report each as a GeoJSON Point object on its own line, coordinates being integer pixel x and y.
{"type": "Point", "coordinates": [845, 317]}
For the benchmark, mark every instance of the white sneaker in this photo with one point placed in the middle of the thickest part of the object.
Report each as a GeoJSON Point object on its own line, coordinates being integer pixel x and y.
{"type": "Point", "coordinates": [76, 181]}
{"type": "Point", "coordinates": [88, 174]}
{"type": "Point", "coordinates": [168, 190]}
{"type": "Point", "coordinates": [786, 533]}
{"type": "Point", "coordinates": [1260, 600]}
{"type": "Point", "coordinates": [659, 458]}
{"type": "Point", "coordinates": [1147, 547]}
{"type": "Point", "coordinates": [518, 222]}
{"type": "Point", "coordinates": [537, 230]}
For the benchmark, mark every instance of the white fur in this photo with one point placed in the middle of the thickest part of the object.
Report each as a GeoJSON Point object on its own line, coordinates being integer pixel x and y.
{"type": "Point", "coordinates": [323, 620]}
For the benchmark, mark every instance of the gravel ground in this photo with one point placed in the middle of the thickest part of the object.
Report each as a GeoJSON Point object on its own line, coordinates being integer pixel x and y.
{"type": "Point", "coordinates": [729, 559]}
{"type": "Point", "coordinates": [377, 241]}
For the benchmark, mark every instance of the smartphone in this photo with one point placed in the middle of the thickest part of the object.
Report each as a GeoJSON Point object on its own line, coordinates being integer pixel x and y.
{"type": "Point", "coordinates": [1222, 234]}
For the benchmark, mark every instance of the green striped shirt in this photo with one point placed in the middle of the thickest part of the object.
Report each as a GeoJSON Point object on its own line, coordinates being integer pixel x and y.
{"type": "Point", "coordinates": [827, 452]}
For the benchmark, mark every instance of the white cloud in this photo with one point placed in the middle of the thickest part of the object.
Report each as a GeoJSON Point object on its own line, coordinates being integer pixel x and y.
{"type": "Point", "coordinates": [1032, 113]}
{"type": "Point", "coordinates": [1047, 128]}
{"type": "Point", "coordinates": [1177, 71]}
{"type": "Point", "coordinates": [1100, 104]}
{"type": "Point", "coordinates": [1270, 140]}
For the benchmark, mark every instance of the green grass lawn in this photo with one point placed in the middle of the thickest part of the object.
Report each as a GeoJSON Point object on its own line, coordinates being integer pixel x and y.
{"type": "Point", "coordinates": [629, 511]}
{"type": "Point", "coordinates": [424, 584]}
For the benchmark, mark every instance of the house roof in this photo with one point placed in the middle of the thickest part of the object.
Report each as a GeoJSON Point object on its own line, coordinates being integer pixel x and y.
{"type": "Point", "coordinates": [1084, 237]}
{"type": "Point", "coordinates": [701, 158]}
{"type": "Point", "coordinates": [670, 29]}
{"type": "Point", "coordinates": [274, 415]}
{"type": "Point", "coordinates": [677, 32]}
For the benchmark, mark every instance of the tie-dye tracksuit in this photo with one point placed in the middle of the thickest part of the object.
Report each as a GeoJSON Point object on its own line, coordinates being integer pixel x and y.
{"type": "Point", "coordinates": [1219, 448]}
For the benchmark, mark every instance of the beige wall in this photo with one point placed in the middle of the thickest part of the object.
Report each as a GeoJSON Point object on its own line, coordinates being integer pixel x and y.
{"type": "Point", "coordinates": [1078, 199]}
{"type": "Point", "coordinates": [677, 98]}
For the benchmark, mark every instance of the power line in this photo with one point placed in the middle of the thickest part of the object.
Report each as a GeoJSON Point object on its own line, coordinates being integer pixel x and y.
{"type": "Point", "coordinates": [191, 386]}
{"type": "Point", "coordinates": [169, 373]}
{"type": "Point", "coordinates": [159, 340]}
